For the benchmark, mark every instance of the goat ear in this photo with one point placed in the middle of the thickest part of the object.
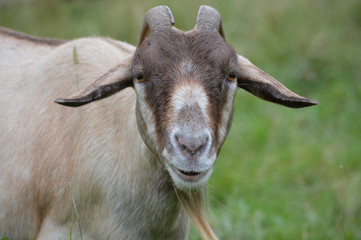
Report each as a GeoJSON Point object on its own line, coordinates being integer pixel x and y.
{"type": "Point", "coordinates": [262, 85]}
{"type": "Point", "coordinates": [108, 84]}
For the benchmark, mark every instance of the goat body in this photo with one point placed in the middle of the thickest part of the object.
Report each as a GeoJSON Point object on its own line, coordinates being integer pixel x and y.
{"type": "Point", "coordinates": [53, 159]}
{"type": "Point", "coordinates": [119, 168]}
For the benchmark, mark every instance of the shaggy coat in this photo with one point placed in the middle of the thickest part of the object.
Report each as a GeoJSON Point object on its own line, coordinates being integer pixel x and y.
{"type": "Point", "coordinates": [122, 167]}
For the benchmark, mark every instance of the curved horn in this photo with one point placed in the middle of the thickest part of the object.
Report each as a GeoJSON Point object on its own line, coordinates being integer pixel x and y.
{"type": "Point", "coordinates": [209, 17]}
{"type": "Point", "coordinates": [157, 18]}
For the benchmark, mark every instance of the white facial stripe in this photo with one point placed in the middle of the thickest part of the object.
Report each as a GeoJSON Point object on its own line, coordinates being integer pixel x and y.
{"type": "Point", "coordinates": [222, 130]}
{"type": "Point", "coordinates": [188, 94]}
{"type": "Point", "coordinates": [146, 111]}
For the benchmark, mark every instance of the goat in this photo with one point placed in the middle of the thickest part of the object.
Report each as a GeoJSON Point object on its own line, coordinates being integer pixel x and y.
{"type": "Point", "coordinates": [132, 165]}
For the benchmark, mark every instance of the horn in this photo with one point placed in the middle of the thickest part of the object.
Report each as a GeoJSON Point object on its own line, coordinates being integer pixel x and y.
{"type": "Point", "coordinates": [157, 18]}
{"type": "Point", "coordinates": [209, 17]}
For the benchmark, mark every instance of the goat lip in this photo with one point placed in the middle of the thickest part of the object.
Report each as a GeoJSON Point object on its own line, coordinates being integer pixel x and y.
{"type": "Point", "coordinates": [190, 176]}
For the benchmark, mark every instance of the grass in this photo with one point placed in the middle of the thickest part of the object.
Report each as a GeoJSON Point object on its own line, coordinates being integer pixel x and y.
{"type": "Point", "coordinates": [282, 173]}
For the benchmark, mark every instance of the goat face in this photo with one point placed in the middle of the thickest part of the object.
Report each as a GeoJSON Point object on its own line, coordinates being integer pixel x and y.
{"type": "Point", "coordinates": [185, 84]}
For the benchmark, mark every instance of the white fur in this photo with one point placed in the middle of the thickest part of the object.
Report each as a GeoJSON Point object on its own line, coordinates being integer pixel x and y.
{"type": "Point", "coordinates": [186, 94]}
{"type": "Point", "coordinates": [54, 157]}
{"type": "Point", "coordinates": [226, 111]}
{"type": "Point", "coordinates": [146, 112]}
{"type": "Point", "coordinates": [190, 93]}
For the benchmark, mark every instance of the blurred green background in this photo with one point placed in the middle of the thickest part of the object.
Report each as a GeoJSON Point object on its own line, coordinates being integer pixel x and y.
{"type": "Point", "coordinates": [283, 173]}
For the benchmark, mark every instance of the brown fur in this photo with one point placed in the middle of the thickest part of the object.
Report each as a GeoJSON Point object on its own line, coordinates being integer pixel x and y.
{"type": "Point", "coordinates": [160, 59]}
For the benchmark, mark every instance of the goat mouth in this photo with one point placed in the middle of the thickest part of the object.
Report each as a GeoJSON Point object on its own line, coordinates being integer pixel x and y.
{"type": "Point", "coordinates": [189, 176]}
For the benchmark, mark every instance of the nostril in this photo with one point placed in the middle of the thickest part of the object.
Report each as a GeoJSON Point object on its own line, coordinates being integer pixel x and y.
{"type": "Point", "coordinates": [180, 141]}
{"type": "Point", "coordinates": [191, 145]}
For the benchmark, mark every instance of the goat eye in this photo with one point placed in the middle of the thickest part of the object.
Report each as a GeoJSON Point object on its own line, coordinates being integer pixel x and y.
{"type": "Point", "coordinates": [140, 77]}
{"type": "Point", "coordinates": [231, 77]}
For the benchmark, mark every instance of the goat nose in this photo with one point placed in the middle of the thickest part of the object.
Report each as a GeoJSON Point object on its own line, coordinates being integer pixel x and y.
{"type": "Point", "coordinates": [191, 145]}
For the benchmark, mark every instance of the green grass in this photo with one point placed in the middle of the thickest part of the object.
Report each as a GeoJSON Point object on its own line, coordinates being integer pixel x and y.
{"type": "Point", "coordinates": [283, 173]}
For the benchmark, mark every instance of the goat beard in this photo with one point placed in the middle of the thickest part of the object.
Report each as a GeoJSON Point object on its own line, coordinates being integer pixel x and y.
{"type": "Point", "coordinates": [196, 205]}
